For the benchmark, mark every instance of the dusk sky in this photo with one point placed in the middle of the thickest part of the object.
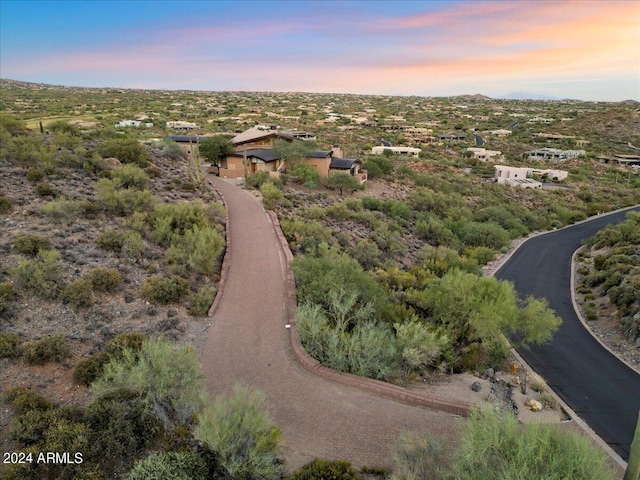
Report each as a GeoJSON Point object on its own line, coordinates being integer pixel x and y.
{"type": "Point", "coordinates": [569, 49]}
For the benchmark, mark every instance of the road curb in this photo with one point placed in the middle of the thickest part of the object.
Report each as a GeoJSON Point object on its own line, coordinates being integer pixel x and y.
{"type": "Point", "coordinates": [227, 254]}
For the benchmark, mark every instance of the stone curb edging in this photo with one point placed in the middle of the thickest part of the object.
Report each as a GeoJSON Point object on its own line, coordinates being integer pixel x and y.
{"type": "Point", "coordinates": [227, 254]}
{"type": "Point", "coordinates": [312, 365]}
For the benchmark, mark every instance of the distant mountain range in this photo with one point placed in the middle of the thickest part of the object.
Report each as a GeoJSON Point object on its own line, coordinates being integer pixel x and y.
{"type": "Point", "coordinates": [526, 96]}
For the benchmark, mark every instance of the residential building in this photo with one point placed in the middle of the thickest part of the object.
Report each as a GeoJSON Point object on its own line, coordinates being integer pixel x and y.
{"type": "Point", "coordinates": [412, 151]}
{"type": "Point", "coordinates": [452, 137]}
{"type": "Point", "coordinates": [484, 154]}
{"type": "Point", "coordinates": [180, 125]}
{"type": "Point", "coordinates": [555, 154]}
{"type": "Point", "coordinates": [521, 176]}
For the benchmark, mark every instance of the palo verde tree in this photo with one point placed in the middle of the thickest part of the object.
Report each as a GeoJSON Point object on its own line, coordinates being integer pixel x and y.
{"type": "Point", "coordinates": [294, 152]}
{"type": "Point", "coordinates": [214, 149]}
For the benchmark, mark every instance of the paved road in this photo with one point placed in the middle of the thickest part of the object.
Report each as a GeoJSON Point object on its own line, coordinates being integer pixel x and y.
{"type": "Point", "coordinates": [602, 390]}
{"type": "Point", "coordinates": [247, 342]}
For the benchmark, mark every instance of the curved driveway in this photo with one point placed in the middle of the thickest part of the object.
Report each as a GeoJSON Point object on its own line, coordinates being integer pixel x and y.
{"type": "Point", "coordinates": [247, 342]}
{"type": "Point", "coordinates": [601, 389]}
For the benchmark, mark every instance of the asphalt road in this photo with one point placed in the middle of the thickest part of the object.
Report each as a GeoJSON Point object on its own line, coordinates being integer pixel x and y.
{"type": "Point", "coordinates": [601, 389]}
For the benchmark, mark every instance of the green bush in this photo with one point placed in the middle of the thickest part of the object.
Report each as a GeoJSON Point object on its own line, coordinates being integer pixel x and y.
{"type": "Point", "coordinates": [78, 294]}
{"type": "Point", "coordinates": [303, 173]}
{"type": "Point", "coordinates": [30, 244]}
{"type": "Point", "coordinates": [88, 370]}
{"type": "Point", "coordinates": [50, 349]}
{"type": "Point", "coordinates": [165, 290]}
{"type": "Point", "coordinates": [122, 427]}
{"type": "Point", "coordinates": [34, 174]}
{"type": "Point", "coordinates": [122, 202]}
{"type": "Point", "coordinates": [129, 176]}
{"type": "Point", "coordinates": [200, 247]}
{"type": "Point", "coordinates": [326, 470]}
{"type": "Point", "coordinates": [62, 209]}
{"type": "Point", "coordinates": [498, 447]}
{"type": "Point", "coordinates": [9, 344]}
{"type": "Point", "coordinates": [272, 196]}
{"type": "Point", "coordinates": [42, 275]}
{"type": "Point", "coordinates": [167, 377]}
{"type": "Point", "coordinates": [24, 399]}
{"type": "Point", "coordinates": [7, 295]}
{"type": "Point", "coordinates": [343, 182]}
{"type": "Point", "coordinates": [125, 342]}
{"type": "Point", "coordinates": [44, 189]}
{"type": "Point", "coordinates": [170, 466]}
{"type": "Point", "coordinates": [5, 205]}
{"type": "Point", "coordinates": [111, 240]}
{"type": "Point", "coordinates": [257, 179]}
{"type": "Point", "coordinates": [171, 220]}
{"type": "Point", "coordinates": [418, 456]}
{"type": "Point", "coordinates": [377, 166]}
{"type": "Point", "coordinates": [104, 279]}
{"type": "Point", "coordinates": [238, 429]}
{"type": "Point", "coordinates": [304, 235]}
{"type": "Point", "coordinates": [125, 150]}
{"type": "Point", "coordinates": [203, 300]}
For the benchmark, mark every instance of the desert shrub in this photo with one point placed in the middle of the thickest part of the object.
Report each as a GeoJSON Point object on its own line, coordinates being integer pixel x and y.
{"type": "Point", "coordinates": [487, 234]}
{"type": "Point", "coordinates": [371, 203]}
{"type": "Point", "coordinates": [317, 276]}
{"type": "Point", "coordinates": [5, 205]}
{"type": "Point", "coordinates": [34, 174]}
{"type": "Point", "coordinates": [44, 189]}
{"type": "Point", "coordinates": [167, 377]}
{"type": "Point", "coordinates": [377, 166]}
{"type": "Point", "coordinates": [184, 465]}
{"type": "Point", "coordinates": [326, 470]}
{"type": "Point", "coordinates": [497, 447]}
{"type": "Point", "coordinates": [61, 209]}
{"type": "Point", "coordinates": [343, 182]}
{"type": "Point", "coordinates": [338, 211]}
{"type": "Point", "coordinates": [121, 202]}
{"type": "Point", "coordinates": [238, 429]}
{"type": "Point", "coordinates": [170, 220]}
{"type": "Point", "coordinates": [125, 342]}
{"type": "Point", "coordinates": [199, 247]}
{"type": "Point", "coordinates": [132, 247]}
{"type": "Point", "coordinates": [366, 349]}
{"type": "Point", "coordinates": [111, 240]}
{"type": "Point", "coordinates": [78, 294]}
{"type": "Point", "coordinates": [129, 176]}
{"type": "Point", "coordinates": [165, 290]}
{"type": "Point", "coordinates": [122, 426]}
{"type": "Point", "coordinates": [272, 196]}
{"type": "Point", "coordinates": [537, 386]}
{"type": "Point", "coordinates": [418, 345]}
{"type": "Point", "coordinates": [50, 349]}
{"type": "Point", "coordinates": [418, 456]}
{"type": "Point", "coordinates": [42, 274]}
{"type": "Point", "coordinates": [88, 370]}
{"type": "Point", "coordinates": [203, 300]}
{"type": "Point", "coordinates": [7, 295]}
{"type": "Point", "coordinates": [104, 279]}
{"type": "Point", "coordinates": [30, 244]}
{"type": "Point", "coordinates": [63, 127]}
{"type": "Point", "coordinates": [257, 179]}
{"type": "Point", "coordinates": [125, 150]}
{"type": "Point", "coordinates": [397, 210]}
{"type": "Point", "coordinates": [304, 235]}
{"type": "Point", "coordinates": [548, 400]}
{"type": "Point", "coordinates": [24, 399]}
{"type": "Point", "coordinates": [482, 255]}
{"type": "Point", "coordinates": [302, 173]}
{"type": "Point", "coordinates": [9, 344]}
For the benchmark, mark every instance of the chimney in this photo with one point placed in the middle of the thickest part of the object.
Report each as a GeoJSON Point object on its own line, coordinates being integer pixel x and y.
{"type": "Point", "coordinates": [336, 151]}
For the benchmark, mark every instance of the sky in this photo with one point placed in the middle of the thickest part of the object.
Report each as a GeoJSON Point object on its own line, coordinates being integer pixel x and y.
{"type": "Point", "coordinates": [587, 50]}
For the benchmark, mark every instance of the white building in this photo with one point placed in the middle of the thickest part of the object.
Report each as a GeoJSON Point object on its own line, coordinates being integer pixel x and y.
{"type": "Point", "coordinates": [520, 176]}
{"type": "Point", "coordinates": [180, 125]}
{"type": "Point", "coordinates": [412, 151]}
{"type": "Point", "coordinates": [483, 154]}
{"type": "Point", "coordinates": [555, 154]}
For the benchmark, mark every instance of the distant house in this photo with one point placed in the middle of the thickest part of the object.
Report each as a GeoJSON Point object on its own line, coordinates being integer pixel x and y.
{"type": "Point", "coordinates": [186, 142]}
{"type": "Point", "coordinates": [254, 152]}
{"type": "Point", "coordinates": [132, 123]}
{"type": "Point", "coordinates": [412, 151]}
{"type": "Point", "coordinates": [500, 132]}
{"type": "Point", "coordinates": [555, 154]}
{"type": "Point", "coordinates": [180, 125]}
{"type": "Point", "coordinates": [520, 176]}
{"type": "Point", "coordinates": [452, 137]}
{"type": "Point", "coordinates": [483, 154]}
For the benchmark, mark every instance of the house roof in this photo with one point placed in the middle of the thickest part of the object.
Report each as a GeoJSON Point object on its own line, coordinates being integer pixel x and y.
{"type": "Point", "coordinates": [343, 163]}
{"type": "Point", "coordinates": [319, 154]}
{"type": "Point", "coordinates": [254, 134]}
{"type": "Point", "coordinates": [264, 154]}
{"type": "Point", "coordinates": [186, 138]}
